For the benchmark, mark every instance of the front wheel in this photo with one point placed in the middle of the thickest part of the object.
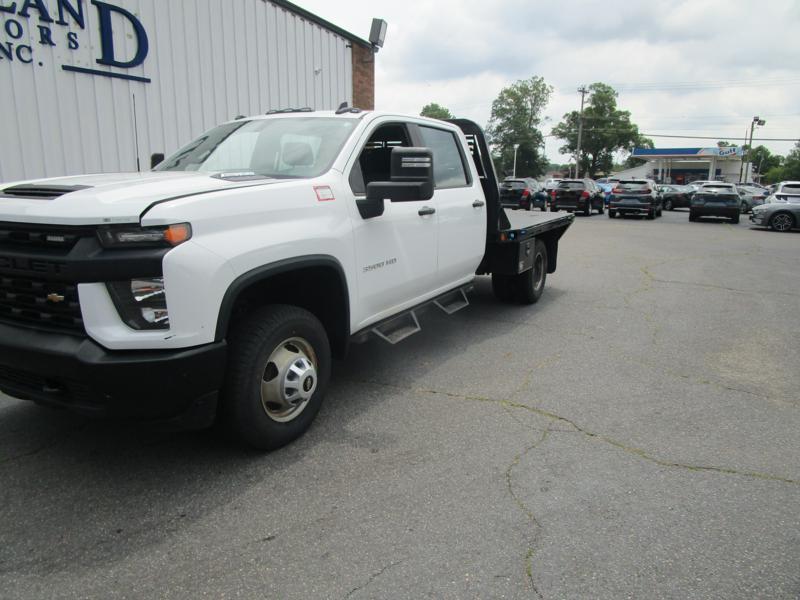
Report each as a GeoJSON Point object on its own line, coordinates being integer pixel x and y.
{"type": "Point", "coordinates": [530, 284]}
{"type": "Point", "coordinates": [781, 222]}
{"type": "Point", "coordinates": [668, 205]}
{"type": "Point", "coordinates": [611, 213]}
{"type": "Point", "coordinates": [735, 220]}
{"type": "Point", "coordinates": [651, 214]}
{"type": "Point", "coordinates": [278, 369]}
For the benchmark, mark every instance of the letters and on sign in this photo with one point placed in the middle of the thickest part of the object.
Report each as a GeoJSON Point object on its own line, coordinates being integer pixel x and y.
{"type": "Point", "coordinates": [31, 24]}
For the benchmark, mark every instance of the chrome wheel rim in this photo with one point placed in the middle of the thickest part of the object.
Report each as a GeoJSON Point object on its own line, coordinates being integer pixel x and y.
{"type": "Point", "coordinates": [288, 380]}
{"type": "Point", "coordinates": [782, 222]}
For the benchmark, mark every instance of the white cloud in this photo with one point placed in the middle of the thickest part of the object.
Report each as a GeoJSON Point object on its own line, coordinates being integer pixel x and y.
{"type": "Point", "coordinates": [461, 53]}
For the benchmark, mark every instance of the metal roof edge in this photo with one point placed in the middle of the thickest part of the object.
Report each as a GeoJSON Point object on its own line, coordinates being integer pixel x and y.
{"type": "Point", "coordinates": [301, 12]}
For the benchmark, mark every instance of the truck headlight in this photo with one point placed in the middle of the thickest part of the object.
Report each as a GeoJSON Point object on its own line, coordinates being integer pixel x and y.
{"type": "Point", "coordinates": [128, 236]}
{"type": "Point", "coordinates": [141, 303]}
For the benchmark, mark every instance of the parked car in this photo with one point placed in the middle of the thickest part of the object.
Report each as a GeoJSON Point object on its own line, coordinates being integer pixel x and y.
{"type": "Point", "coordinates": [551, 184]}
{"type": "Point", "coordinates": [635, 197]}
{"type": "Point", "coordinates": [700, 183]}
{"type": "Point", "coordinates": [575, 195]}
{"type": "Point", "coordinates": [716, 199]}
{"type": "Point", "coordinates": [751, 196]}
{"type": "Point", "coordinates": [784, 191]}
{"type": "Point", "coordinates": [526, 194]}
{"type": "Point", "coordinates": [778, 215]}
{"type": "Point", "coordinates": [676, 196]}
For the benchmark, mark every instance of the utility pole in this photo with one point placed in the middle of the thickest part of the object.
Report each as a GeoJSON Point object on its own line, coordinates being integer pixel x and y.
{"type": "Point", "coordinates": [756, 121]}
{"type": "Point", "coordinates": [741, 166]}
{"type": "Point", "coordinates": [514, 172]}
{"type": "Point", "coordinates": [582, 91]}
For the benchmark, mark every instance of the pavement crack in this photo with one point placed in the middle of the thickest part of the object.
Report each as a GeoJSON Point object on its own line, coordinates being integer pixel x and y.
{"type": "Point", "coordinates": [633, 450]}
{"type": "Point", "coordinates": [373, 577]}
{"type": "Point", "coordinates": [526, 510]}
{"type": "Point", "coordinates": [725, 288]}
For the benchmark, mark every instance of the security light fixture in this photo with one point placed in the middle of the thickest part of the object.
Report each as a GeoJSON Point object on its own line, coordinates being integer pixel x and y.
{"type": "Point", "coordinates": [377, 34]}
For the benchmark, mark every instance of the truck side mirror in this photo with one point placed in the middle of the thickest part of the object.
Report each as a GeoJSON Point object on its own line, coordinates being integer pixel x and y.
{"type": "Point", "coordinates": [156, 159]}
{"type": "Point", "coordinates": [411, 177]}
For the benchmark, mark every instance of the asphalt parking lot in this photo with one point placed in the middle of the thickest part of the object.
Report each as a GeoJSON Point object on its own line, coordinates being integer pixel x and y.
{"type": "Point", "coordinates": [633, 435]}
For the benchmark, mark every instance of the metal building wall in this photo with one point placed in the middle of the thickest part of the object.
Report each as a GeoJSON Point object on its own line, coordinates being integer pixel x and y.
{"type": "Point", "coordinates": [208, 61]}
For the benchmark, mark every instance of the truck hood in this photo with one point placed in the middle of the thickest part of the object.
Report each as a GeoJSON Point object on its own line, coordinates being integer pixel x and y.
{"type": "Point", "coordinates": [106, 198]}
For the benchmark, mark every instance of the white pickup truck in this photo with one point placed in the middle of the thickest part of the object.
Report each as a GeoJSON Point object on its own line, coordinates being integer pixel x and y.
{"type": "Point", "coordinates": [221, 283]}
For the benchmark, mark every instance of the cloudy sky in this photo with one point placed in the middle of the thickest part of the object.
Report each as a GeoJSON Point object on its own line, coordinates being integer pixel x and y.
{"type": "Point", "coordinates": [682, 67]}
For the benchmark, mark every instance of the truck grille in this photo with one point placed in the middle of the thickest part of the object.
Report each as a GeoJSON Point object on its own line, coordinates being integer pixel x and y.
{"type": "Point", "coordinates": [42, 236]}
{"type": "Point", "coordinates": [40, 303]}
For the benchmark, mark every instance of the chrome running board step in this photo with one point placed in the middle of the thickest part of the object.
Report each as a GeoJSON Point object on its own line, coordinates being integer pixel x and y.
{"type": "Point", "coordinates": [453, 301]}
{"type": "Point", "coordinates": [398, 329]}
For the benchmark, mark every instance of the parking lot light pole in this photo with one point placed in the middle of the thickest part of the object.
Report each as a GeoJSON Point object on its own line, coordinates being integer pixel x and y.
{"type": "Point", "coordinates": [514, 172]}
{"type": "Point", "coordinates": [756, 121]}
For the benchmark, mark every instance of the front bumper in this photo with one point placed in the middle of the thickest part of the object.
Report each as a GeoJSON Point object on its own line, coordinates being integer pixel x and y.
{"type": "Point", "coordinates": [178, 387]}
{"type": "Point", "coordinates": [758, 218]}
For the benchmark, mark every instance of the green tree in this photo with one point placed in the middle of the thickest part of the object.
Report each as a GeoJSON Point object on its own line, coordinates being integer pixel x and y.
{"type": "Point", "coordinates": [516, 118]}
{"type": "Point", "coordinates": [632, 161]}
{"type": "Point", "coordinates": [763, 160]}
{"type": "Point", "coordinates": [436, 111]}
{"type": "Point", "coordinates": [788, 170]}
{"type": "Point", "coordinates": [791, 165]}
{"type": "Point", "coordinates": [606, 130]}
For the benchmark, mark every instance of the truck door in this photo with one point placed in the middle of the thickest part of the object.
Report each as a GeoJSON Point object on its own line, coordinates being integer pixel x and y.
{"type": "Point", "coordinates": [396, 253]}
{"type": "Point", "coordinates": [460, 205]}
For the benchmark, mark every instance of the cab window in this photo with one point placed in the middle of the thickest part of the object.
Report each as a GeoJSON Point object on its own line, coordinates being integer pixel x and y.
{"type": "Point", "coordinates": [448, 163]}
{"type": "Point", "coordinates": [374, 162]}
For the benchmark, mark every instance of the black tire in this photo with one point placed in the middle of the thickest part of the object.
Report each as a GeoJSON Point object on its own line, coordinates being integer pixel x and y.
{"type": "Point", "coordinates": [668, 205]}
{"type": "Point", "coordinates": [782, 221]}
{"type": "Point", "coordinates": [601, 210]}
{"type": "Point", "coordinates": [651, 214]}
{"type": "Point", "coordinates": [553, 209]}
{"type": "Point", "coordinates": [735, 220]}
{"type": "Point", "coordinates": [612, 213]}
{"type": "Point", "coordinates": [587, 212]}
{"type": "Point", "coordinates": [502, 287]}
{"type": "Point", "coordinates": [692, 216]}
{"type": "Point", "coordinates": [530, 284]}
{"type": "Point", "coordinates": [254, 341]}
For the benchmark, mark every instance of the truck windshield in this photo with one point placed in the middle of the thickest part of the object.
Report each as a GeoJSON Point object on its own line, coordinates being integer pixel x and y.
{"type": "Point", "coordinates": [279, 148]}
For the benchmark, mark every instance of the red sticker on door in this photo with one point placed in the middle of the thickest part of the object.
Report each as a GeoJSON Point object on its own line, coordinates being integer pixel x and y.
{"type": "Point", "coordinates": [324, 193]}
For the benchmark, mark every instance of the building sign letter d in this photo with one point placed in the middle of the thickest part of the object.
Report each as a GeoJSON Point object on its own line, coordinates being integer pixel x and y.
{"type": "Point", "coordinates": [107, 36]}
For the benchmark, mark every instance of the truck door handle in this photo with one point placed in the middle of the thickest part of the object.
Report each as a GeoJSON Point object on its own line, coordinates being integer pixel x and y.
{"type": "Point", "coordinates": [426, 210]}
{"type": "Point", "coordinates": [477, 204]}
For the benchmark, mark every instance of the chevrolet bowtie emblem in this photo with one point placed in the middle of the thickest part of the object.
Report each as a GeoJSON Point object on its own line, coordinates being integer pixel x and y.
{"type": "Point", "coordinates": [55, 298]}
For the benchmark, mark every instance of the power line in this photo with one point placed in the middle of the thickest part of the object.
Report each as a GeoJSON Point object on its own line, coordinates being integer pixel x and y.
{"type": "Point", "coordinates": [689, 137]}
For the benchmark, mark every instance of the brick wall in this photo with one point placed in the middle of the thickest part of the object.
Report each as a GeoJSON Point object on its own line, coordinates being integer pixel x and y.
{"type": "Point", "coordinates": [363, 77]}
